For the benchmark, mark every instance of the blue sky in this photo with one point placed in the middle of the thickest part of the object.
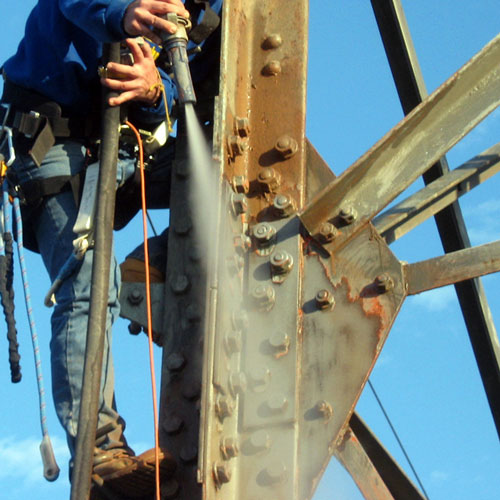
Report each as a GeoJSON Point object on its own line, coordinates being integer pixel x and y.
{"type": "Point", "coordinates": [426, 375]}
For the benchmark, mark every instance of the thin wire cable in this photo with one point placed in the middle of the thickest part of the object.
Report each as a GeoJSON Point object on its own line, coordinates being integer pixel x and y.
{"type": "Point", "coordinates": [149, 311]}
{"type": "Point", "coordinates": [151, 224]}
{"type": "Point", "coordinates": [397, 439]}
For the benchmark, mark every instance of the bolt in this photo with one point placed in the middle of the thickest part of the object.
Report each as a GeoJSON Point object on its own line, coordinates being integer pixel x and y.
{"type": "Point", "coordinates": [183, 225]}
{"type": "Point", "coordinates": [264, 233]}
{"type": "Point", "coordinates": [327, 232]}
{"type": "Point", "coordinates": [264, 297]}
{"type": "Point", "coordinates": [348, 214]}
{"type": "Point", "coordinates": [237, 383]}
{"type": "Point", "coordinates": [173, 424]}
{"type": "Point", "coordinates": [324, 409]}
{"type": "Point", "coordinates": [284, 205]}
{"type": "Point", "coordinates": [242, 242]}
{"type": "Point", "coordinates": [272, 41]}
{"type": "Point", "coordinates": [241, 184]}
{"type": "Point", "coordinates": [260, 441]}
{"type": "Point", "coordinates": [260, 376]}
{"type": "Point", "coordinates": [240, 319]}
{"type": "Point", "coordinates": [193, 312]}
{"type": "Point", "coordinates": [277, 403]}
{"type": "Point", "coordinates": [169, 489]}
{"type": "Point", "coordinates": [222, 473]}
{"type": "Point", "coordinates": [242, 126]}
{"type": "Point", "coordinates": [191, 391]}
{"type": "Point", "coordinates": [135, 297]}
{"type": "Point", "coordinates": [223, 407]}
{"type": "Point", "coordinates": [239, 203]}
{"type": "Point", "coordinates": [237, 145]}
{"type": "Point", "coordinates": [175, 362]}
{"type": "Point", "coordinates": [281, 262]}
{"type": "Point", "coordinates": [384, 283]}
{"type": "Point", "coordinates": [272, 68]}
{"type": "Point", "coordinates": [280, 342]}
{"type": "Point", "coordinates": [229, 448]}
{"type": "Point", "coordinates": [134, 328]}
{"type": "Point", "coordinates": [188, 453]}
{"type": "Point", "coordinates": [276, 472]}
{"type": "Point", "coordinates": [286, 146]}
{"type": "Point", "coordinates": [179, 283]}
{"type": "Point", "coordinates": [233, 341]}
{"type": "Point", "coordinates": [324, 300]}
{"type": "Point", "coordinates": [269, 179]}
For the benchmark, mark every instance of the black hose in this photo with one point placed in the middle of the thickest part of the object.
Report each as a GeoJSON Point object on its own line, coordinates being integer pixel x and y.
{"type": "Point", "coordinates": [7, 298]}
{"type": "Point", "coordinates": [103, 224]}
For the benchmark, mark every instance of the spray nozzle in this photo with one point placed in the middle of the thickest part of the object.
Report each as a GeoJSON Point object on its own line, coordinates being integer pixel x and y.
{"type": "Point", "coordinates": [175, 45]}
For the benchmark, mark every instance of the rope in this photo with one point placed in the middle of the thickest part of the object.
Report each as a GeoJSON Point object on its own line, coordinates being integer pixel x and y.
{"type": "Point", "coordinates": [149, 312]}
{"type": "Point", "coordinates": [397, 439]}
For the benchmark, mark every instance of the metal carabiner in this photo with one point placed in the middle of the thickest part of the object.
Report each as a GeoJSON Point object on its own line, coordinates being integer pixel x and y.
{"type": "Point", "coordinates": [7, 131]}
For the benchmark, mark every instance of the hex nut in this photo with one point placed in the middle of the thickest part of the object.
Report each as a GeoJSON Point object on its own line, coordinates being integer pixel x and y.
{"type": "Point", "coordinates": [237, 145]}
{"type": "Point", "coordinates": [281, 262]}
{"type": "Point", "coordinates": [242, 126]}
{"type": "Point", "coordinates": [348, 214]}
{"type": "Point", "coordinates": [327, 232]}
{"type": "Point", "coordinates": [286, 146]}
{"type": "Point", "coordinates": [264, 297]}
{"type": "Point", "coordinates": [324, 300]}
{"type": "Point", "coordinates": [222, 473]}
{"type": "Point", "coordinates": [229, 448]}
{"type": "Point", "coordinates": [223, 407]}
{"type": "Point", "coordinates": [264, 234]}
{"type": "Point", "coordinates": [284, 205]}
{"type": "Point", "coordinates": [324, 409]}
{"type": "Point", "coordinates": [269, 179]}
{"type": "Point", "coordinates": [237, 383]}
{"type": "Point", "coordinates": [241, 184]}
{"type": "Point", "coordinates": [239, 203]}
{"type": "Point", "coordinates": [233, 341]}
{"type": "Point", "coordinates": [279, 342]}
{"type": "Point", "coordinates": [384, 283]}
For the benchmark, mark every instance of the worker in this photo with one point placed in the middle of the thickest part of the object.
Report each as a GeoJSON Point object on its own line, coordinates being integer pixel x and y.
{"type": "Point", "coordinates": [51, 94]}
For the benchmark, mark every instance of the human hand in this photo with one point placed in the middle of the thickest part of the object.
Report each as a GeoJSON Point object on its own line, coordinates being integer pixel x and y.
{"type": "Point", "coordinates": [138, 82]}
{"type": "Point", "coordinates": [142, 16]}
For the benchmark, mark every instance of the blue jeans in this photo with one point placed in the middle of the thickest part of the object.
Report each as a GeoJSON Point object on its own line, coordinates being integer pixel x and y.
{"type": "Point", "coordinates": [52, 223]}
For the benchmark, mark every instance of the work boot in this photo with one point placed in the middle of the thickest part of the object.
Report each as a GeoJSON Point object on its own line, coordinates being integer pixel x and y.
{"type": "Point", "coordinates": [128, 475]}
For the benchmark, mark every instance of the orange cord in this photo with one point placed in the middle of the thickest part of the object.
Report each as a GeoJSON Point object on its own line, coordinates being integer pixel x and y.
{"type": "Point", "coordinates": [148, 305]}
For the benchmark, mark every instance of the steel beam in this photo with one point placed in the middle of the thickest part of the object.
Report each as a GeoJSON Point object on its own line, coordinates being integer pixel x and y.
{"type": "Point", "coordinates": [401, 218]}
{"type": "Point", "coordinates": [451, 226]}
{"type": "Point", "coordinates": [452, 268]}
{"type": "Point", "coordinates": [406, 152]}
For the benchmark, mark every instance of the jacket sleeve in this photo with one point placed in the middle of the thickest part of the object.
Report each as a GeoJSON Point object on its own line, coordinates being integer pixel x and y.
{"type": "Point", "coordinates": [101, 19]}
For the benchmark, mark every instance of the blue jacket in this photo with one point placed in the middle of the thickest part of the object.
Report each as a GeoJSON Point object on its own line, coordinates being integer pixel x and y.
{"type": "Point", "coordinates": [61, 50]}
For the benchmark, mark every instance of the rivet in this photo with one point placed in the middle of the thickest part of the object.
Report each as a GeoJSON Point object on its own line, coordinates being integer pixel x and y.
{"type": "Point", "coordinates": [135, 297]}
{"type": "Point", "coordinates": [239, 203]}
{"type": "Point", "coordinates": [173, 424]}
{"type": "Point", "coordinates": [175, 362]}
{"type": "Point", "coordinates": [179, 283]}
{"type": "Point", "coordinates": [222, 473]}
{"type": "Point", "coordinates": [327, 232]}
{"type": "Point", "coordinates": [237, 383]}
{"type": "Point", "coordinates": [260, 441]}
{"type": "Point", "coordinates": [242, 126]}
{"type": "Point", "coordinates": [269, 179]}
{"type": "Point", "coordinates": [263, 297]}
{"type": "Point", "coordinates": [384, 283]}
{"type": "Point", "coordinates": [272, 41]}
{"type": "Point", "coordinates": [264, 233]}
{"type": "Point", "coordinates": [241, 184]}
{"type": "Point", "coordinates": [233, 341]}
{"type": "Point", "coordinates": [182, 225]}
{"type": "Point", "coordinates": [284, 205]}
{"type": "Point", "coordinates": [237, 145]}
{"type": "Point", "coordinates": [279, 341]}
{"type": "Point", "coordinates": [348, 214]}
{"type": "Point", "coordinates": [191, 391]}
{"type": "Point", "coordinates": [286, 146]}
{"type": "Point", "coordinates": [193, 312]}
{"type": "Point", "coordinates": [277, 403]}
{"type": "Point", "coordinates": [272, 68]}
{"type": "Point", "coordinates": [134, 328]}
{"type": "Point", "coordinates": [223, 407]}
{"type": "Point", "coordinates": [240, 320]}
{"type": "Point", "coordinates": [229, 448]}
{"type": "Point", "coordinates": [170, 489]}
{"type": "Point", "coordinates": [324, 300]}
{"type": "Point", "coordinates": [324, 409]}
{"type": "Point", "coordinates": [276, 472]}
{"type": "Point", "coordinates": [188, 453]}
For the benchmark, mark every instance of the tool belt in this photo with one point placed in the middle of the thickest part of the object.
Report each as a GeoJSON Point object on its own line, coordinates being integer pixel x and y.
{"type": "Point", "coordinates": [37, 122]}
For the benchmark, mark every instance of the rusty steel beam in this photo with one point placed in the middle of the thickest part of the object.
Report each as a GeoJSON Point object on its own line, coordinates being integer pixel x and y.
{"type": "Point", "coordinates": [406, 215]}
{"type": "Point", "coordinates": [393, 476]}
{"type": "Point", "coordinates": [414, 145]}
{"type": "Point", "coordinates": [450, 223]}
{"type": "Point", "coordinates": [452, 268]}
